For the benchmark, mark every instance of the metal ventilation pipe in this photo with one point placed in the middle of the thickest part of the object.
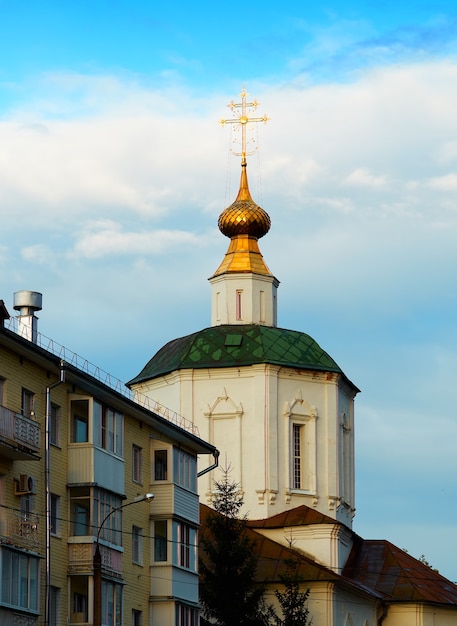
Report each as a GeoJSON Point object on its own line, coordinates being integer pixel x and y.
{"type": "Point", "coordinates": [27, 303]}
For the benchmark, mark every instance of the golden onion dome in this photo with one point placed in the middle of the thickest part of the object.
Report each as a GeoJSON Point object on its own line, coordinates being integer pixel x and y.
{"type": "Point", "coordinates": [244, 216]}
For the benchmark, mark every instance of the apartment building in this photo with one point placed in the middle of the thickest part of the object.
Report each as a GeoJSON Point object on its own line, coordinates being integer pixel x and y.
{"type": "Point", "coordinates": [88, 468]}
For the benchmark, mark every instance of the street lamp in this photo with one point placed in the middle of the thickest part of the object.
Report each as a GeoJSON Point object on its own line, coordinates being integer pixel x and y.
{"type": "Point", "coordinates": [97, 561]}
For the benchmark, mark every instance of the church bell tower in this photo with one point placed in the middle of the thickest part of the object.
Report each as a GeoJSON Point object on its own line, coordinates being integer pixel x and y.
{"type": "Point", "coordinates": [276, 405]}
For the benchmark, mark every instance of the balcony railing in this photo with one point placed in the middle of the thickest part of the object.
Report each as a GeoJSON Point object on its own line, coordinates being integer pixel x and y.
{"type": "Point", "coordinates": [18, 430]}
{"type": "Point", "coordinates": [81, 555]}
{"type": "Point", "coordinates": [107, 379]}
{"type": "Point", "coordinates": [20, 530]}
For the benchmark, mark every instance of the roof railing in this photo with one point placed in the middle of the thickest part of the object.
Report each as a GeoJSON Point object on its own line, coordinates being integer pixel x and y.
{"type": "Point", "coordinates": [82, 364]}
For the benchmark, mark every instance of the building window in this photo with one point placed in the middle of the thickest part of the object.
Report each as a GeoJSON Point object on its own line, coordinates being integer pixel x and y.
{"type": "Point", "coordinates": [186, 546]}
{"type": "Point", "coordinates": [20, 580]}
{"type": "Point", "coordinates": [27, 506]}
{"type": "Point", "coordinates": [108, 428]}
{"type": "Point", "coordinates": [80, 421]}
{"type": "Point", "coordinates": [79, 591]}
{"type": "Point", "coordinates": [89, 508]}
{"type": "Point", "coordinates": [111, 603]}
{"type": "Point", "coordinates": [186, 615]}
{"type": "Point", "coordinates": [81, 517]}
{"type": "Point", "coordinates": [80, 511]}
{"type": "Point", "coordinates": [137, 618]}
{"type": "Point", "coordinates": [262, 306]}
{"type": "Point", "coordinates": [137, 545]}
{"type": "Point", "coordinates": [55, 514]}
{"type": "Point", "coordinates": [54, 423]}
{"type": "Point", "coordinates": [160, 541]}
{"type": "Point", "coordinates": [302, 449]}
{"type": "Point", "coordinates": [239, 296]}
{"type": "Point", "coordinates": [54, 606]}
{"type": "Point", "coordinates": [136, 463]}
{"type": "Point", "coordinates": [107, 504]}
{"type": "Point", "coordinates": [28, 403]}
{"type": "Point", "coordinates": [185, 470]}
{"type": "Point", "coordinates": [2, 391]}
{"type": "Point", "coordinates": [218, 297]}
{"type": "Point", "coordinates": [160, 465]}
{"type": "Point", "coordinates": [297, 434]}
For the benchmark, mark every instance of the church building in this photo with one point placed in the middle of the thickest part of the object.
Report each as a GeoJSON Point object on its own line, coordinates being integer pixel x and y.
{"type": "Point", "coordinates": [281, 412]}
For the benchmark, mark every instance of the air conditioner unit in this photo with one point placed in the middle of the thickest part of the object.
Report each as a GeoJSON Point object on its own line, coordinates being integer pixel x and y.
{"type": "Point", "coordinates": [26, 485]}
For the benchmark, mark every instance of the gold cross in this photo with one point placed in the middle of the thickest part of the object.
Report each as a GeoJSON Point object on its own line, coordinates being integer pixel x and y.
{"type": "Point", "coordinates": [242, 118]}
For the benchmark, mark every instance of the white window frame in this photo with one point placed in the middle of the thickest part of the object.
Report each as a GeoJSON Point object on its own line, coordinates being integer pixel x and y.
{"type": "Point", "coordinates": [19, 591]}
{"type": "Point", "coordinates": [301, 418]}
{"type": "Point", "coordinates": [185, 470]}
{"type": "Point", "coordinates": [186, 544]}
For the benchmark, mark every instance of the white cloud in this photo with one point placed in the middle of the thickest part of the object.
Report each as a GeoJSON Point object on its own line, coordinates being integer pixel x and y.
{"type": "Point", "coordinates": [38, 253]}
{"type": "Point", "coordinates": [361, 177]}
{"type": "Point", "coordinates": [447, 182]}
{"type": "Point", "coordinates": [105, 238]}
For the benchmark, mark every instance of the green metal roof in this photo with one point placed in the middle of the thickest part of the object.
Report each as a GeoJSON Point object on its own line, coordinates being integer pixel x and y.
{"type": "Point", "coordinates": [238, 345]}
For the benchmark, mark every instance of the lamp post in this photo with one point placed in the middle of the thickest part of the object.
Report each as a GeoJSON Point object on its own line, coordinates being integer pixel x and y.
{"type": "Point", "coordinates": [97, 561]}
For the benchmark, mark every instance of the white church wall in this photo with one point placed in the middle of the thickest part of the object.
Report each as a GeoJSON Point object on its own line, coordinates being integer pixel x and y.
{"type": "Point", "coordinates": [354, 609]}
{"type": "Point", "coordinates": [424, 614]}
{"type": "Point", "coordinates": [327, 544]}
{"type": "Point", "coordinates": [332, 606]}
{"type": "Point", "coordinates": [249, 414]}
{"type": "Point", "coordinates": [243, 299]}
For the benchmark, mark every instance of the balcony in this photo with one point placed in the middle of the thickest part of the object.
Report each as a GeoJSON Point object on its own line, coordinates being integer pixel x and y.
{"type": "Point", "coordinates": [19, 436]}
{"type": "Point", "coordinates": [20, 530]}
{"type": "Point", "coordinates": [81, 555]}
{"type": "Point", "coordinates": [89, 464]}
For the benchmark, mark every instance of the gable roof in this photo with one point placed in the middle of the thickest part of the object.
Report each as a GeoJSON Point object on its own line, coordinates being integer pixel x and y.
{"type": "Point", "coordinates": [374, 567]}
{"type": "Point", "coordinates": [272, 556]}
{"type": "Point", "coordinates": [396, 575]}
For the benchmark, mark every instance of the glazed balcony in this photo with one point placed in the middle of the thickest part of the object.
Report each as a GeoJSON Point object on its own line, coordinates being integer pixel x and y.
{"type": "Point", "coordinates": [19, 436]}
{"type": "Point", "coordinates": [88, 464]}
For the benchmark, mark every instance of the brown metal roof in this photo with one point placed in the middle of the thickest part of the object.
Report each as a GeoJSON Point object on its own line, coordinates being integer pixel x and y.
{"type": "Point", "coordinates": [272, 556]}
{"type": "Point", "coordinates": [375, 567]}
{"type": "Point", "coordinates": [299, 516]}
{"type": "Point", "coordinates": [396, 575]}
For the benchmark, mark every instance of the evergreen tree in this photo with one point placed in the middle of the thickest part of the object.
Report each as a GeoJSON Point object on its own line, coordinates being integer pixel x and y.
{"type": "Point", "coordinates": [292, 601]}
{"type": "Point", "coordinates": [228, 592]}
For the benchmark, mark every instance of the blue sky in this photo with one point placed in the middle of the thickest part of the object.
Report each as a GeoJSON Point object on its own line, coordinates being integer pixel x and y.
{"type": "Point", "coordinates": [113, 171]}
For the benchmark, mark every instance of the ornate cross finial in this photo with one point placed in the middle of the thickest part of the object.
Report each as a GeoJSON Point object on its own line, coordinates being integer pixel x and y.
{"type": "Point", "coordinates": [242, 118]}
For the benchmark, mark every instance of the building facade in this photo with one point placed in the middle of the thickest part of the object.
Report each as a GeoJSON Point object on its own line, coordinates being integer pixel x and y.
{"type": "Point", "coordinates": [77, 449]}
